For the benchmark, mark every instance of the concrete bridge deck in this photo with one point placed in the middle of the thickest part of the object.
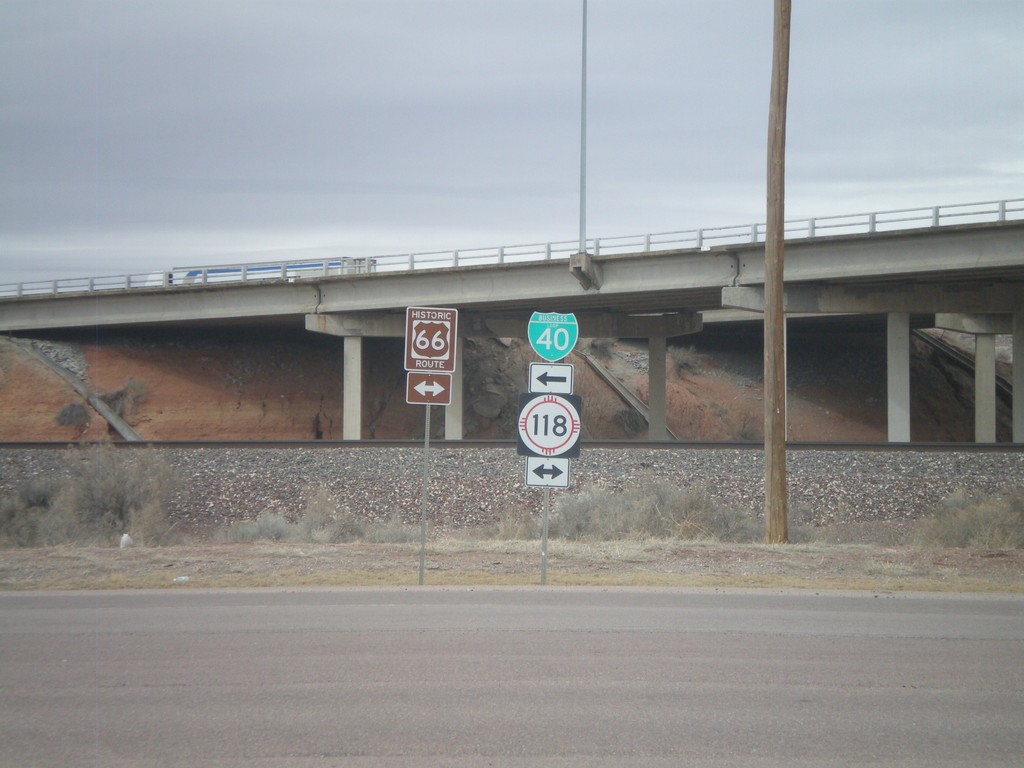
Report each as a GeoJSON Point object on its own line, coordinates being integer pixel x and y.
{"type": "Point", "coordinates": [968, 277]}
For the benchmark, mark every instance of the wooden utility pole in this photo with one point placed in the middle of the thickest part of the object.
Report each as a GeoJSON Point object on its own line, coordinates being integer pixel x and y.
{"type": "Point", "coordinates": [775, 485]}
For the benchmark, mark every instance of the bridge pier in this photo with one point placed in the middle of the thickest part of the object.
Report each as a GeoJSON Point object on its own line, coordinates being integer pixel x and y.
{"type": "Point", "coordinates": [984, 328]}
{"type": "Point", "coordinates": [453, 412]}
{"type": "Point", "coordinates": [353, 329]}
{"type": "Point", "coordinates": [1018, 377]}
{"type": "Point", "coordinates": [985, 388]}
{"type": "Point", "coordinates": [657, 423]}
{"type": "Point", "coordinates": [955, 310]}
{"type": "Point", "coordinates": [898, 376]}
{"type": "Point", "coordinates": [352, 388]}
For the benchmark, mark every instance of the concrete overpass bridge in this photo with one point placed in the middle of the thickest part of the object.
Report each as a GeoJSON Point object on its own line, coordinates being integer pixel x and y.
{"type": "Point", "coordinates": [959, 267]}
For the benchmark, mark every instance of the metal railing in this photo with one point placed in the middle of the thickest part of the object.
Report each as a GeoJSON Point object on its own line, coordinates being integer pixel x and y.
{"type": "Point", "coordinates": [305, 269]}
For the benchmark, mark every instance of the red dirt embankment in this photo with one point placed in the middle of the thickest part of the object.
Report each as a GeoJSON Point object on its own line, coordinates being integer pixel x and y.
{"type": "Point", "coordinates": [250, 385]}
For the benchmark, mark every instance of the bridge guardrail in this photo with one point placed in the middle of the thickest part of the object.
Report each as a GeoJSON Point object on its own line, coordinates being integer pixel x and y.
{"type": "Point", "coordinates": [303, 269]}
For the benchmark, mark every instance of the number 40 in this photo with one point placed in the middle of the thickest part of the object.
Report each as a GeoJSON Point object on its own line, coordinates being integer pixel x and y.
{"type": "Point", "coordinates": [558, 338]}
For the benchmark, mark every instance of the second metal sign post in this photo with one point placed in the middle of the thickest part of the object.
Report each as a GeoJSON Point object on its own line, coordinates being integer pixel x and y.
{"type": "Point", "coordinates": [549, 423]}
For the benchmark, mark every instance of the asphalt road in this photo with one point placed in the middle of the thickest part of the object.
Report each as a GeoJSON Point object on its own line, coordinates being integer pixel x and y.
{"type": "Point", "coordinates": [510, 677]}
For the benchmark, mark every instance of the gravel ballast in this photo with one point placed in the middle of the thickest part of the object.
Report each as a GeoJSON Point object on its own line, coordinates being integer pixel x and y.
{"type": "Point", "coordinates": [211, 487]}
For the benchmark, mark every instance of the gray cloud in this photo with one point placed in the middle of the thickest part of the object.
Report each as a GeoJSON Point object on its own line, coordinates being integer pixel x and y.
{"type": "Point", "coordinates": [137, 135]}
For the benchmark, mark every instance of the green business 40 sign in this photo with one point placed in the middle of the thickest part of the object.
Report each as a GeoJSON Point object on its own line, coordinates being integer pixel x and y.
{"type": "Point", "coordinates": [553, 335]}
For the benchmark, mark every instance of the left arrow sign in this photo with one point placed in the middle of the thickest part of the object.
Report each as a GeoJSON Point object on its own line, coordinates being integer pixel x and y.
{"type": "Point", "coordinates": [550, 378]}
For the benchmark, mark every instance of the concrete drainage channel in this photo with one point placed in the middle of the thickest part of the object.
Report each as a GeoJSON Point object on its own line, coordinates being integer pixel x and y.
{"type": "Point", "coordinates": [630, 399]}
{"type": "Point", "coordinates": [122, 427]}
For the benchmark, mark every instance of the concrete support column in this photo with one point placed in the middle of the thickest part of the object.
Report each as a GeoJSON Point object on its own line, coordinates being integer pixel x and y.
{"type": "Point", "coordinates": [1018, 377]}
{"type": "Point", "coordinates": [656, 419]}
{"type": "Point", "coordinates": [898, 377]}
{"type": "Point", "coordinates": [985, 388]}
{"type": "Point", "coordinates": [453, 412]}
{"type": "Point", "coordinates": [352, 389]}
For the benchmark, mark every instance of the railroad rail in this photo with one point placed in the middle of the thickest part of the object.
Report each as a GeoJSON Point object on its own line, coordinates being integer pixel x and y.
{"type": "Point", "coordinates": [510, 444]}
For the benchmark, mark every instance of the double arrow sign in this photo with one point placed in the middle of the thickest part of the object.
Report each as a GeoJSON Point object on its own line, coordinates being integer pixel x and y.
{"type": "Point", "coordinates": [553, 473]}
{"type": "Point", "coordinates": [428, 388]}
{"type": "Point", "coordinates": [549, 473]}
{"type": "Point", "coordinates": [431, 388]}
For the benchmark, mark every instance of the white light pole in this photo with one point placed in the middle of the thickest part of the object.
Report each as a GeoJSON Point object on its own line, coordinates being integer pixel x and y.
{"type": "Point", "coordinates": [583, 139]}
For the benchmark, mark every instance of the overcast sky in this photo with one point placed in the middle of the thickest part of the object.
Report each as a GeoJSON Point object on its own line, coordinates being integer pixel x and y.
{"type": "Point", "coordinates": [137, 135]}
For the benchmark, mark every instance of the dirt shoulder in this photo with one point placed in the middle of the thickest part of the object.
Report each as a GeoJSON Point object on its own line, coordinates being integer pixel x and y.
{"type": "Point", "coordinates": [453, 562]}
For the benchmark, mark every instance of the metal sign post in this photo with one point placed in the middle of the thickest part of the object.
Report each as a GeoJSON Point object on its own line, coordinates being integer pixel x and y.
{"type": "Point", "coordinates": [430, 343]}
{"type": "Point", "coordinates": [426, 488]}
{"type": "Point", "coordinates": [544, 538]}
{"type": "Point", "coordinates": [549, 424]}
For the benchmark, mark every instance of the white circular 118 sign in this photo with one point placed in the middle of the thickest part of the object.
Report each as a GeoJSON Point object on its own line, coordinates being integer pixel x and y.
{"type": "Point", "coordinates": [549, 425]}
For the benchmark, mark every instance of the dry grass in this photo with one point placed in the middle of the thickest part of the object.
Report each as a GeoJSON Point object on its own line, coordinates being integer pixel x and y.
{"type": "Point", "coordinates": [654, 535]}
{"type": "Point", "coordinates": [965, 520]}
{"type": "Point", "coordinates": [456, 561]}
{"type": "Point", "coordinates": [105, 495]}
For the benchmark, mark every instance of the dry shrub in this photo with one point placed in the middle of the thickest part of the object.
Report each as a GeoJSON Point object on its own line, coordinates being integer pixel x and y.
{"type": "Point", "coordinates": [393, 531]}
{"type": "Point", "coordinates": [27, 516]}
{"type": "Point", "coordinates": [601, 348]}
{"type": "Point", "coordinates": [991, 522]}
{"type": "Point", "coordinates": [106, 492]}
{"type": "Point", "coordinates": [19, 524]}
{"type": "Point", "coordinates": [683, 359]}
{"type": "Point", "coordinates": [269, 526]}
{"type": "Point", "coordinates": [151, 527]}
{"type": "Point", "coordinates": [73, 415]}
{"type": "Point", "coordinates": [630, 422]}
{"type": "Point", "coordinates": [322, 520]}
{"type": "Point", "coordinates": [109, 487]}
{"type": "Point", "coordinates": [654, 509]}
{"type": "Point", "coordinates": [126, 400]}
{"type": "Point", "coordinates": [517, 523]}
